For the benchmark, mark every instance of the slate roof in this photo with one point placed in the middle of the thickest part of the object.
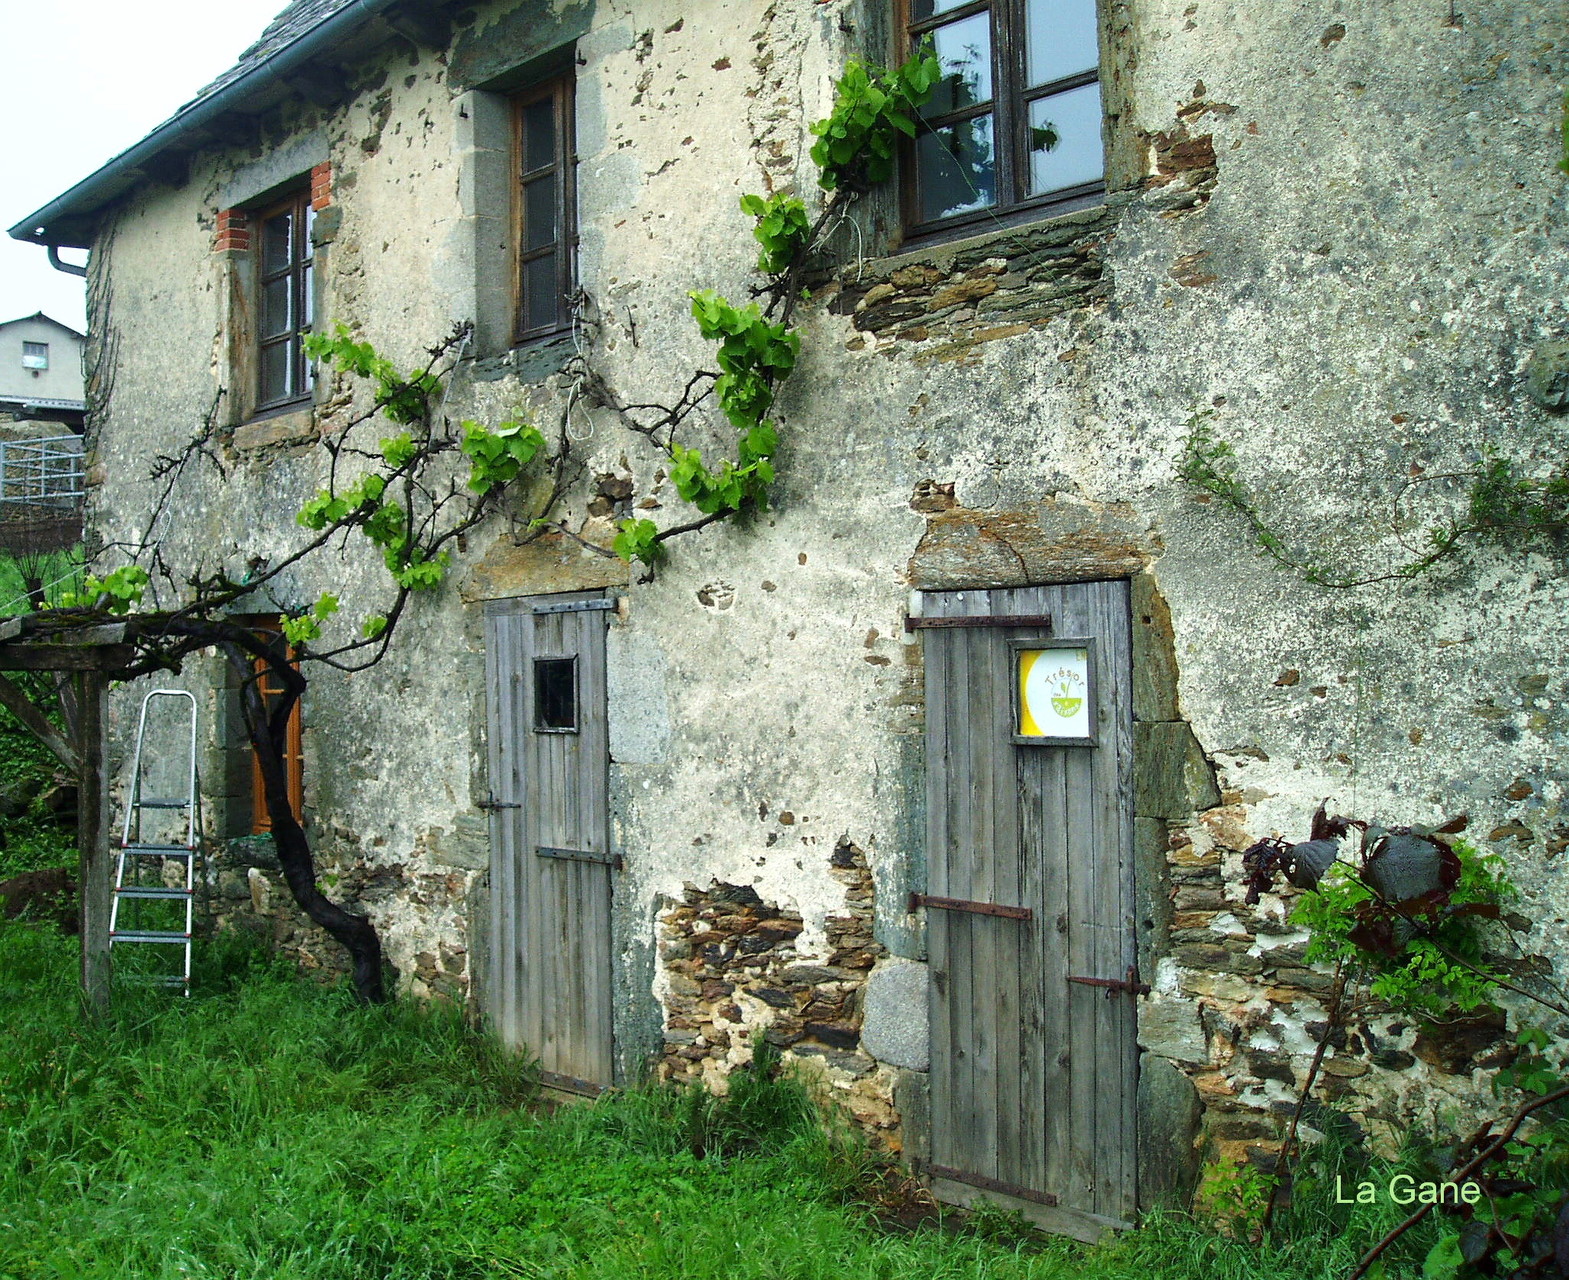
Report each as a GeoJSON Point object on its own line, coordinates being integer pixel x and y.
{"type": "Point", "coordinates": [295, 20]}
{"type": "Point", "coordinates": [254, 79]}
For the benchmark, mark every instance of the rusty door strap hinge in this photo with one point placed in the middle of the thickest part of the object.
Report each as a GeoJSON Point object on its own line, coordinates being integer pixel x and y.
{"type": "Point", "coordinates": [572, 1084]}
{"type": "Point", "coordinates": [576, 606]}
{"type": "Point", "coordinates": [1128, 985]}
{"type": "Point", "coordinates": [490, 802]}
{"type": "Point", "coordinates": [578, 855]}
{"type": "Point", "coordinates": [975, 908]}
{"type": "Point", "coordinates": [1040, 620]}
{"type": "Point", "coordinates": [993, 1184]}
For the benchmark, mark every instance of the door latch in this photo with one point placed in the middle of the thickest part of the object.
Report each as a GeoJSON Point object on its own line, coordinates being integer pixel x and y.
{"type": "Point", "coordinates": [1128, 985]}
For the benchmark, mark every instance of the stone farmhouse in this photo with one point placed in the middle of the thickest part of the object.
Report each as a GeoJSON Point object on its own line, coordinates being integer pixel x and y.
{"type": "Point", "coordinates": [788, 785]}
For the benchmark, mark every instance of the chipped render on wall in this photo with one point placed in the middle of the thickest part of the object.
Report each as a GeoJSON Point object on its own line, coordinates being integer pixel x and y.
{"type": "Point", "coordinates": [1344, 248]}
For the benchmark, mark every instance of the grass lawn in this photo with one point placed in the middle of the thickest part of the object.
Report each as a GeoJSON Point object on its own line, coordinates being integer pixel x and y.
{"type": "Point", "coordinates": [271, 1130]}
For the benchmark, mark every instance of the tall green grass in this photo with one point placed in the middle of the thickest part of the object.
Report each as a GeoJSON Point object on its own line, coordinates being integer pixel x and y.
{"type": "Point", "coordinates": [271, 1129]}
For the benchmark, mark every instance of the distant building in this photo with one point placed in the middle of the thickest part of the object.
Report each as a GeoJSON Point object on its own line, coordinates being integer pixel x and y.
{"type": "Point", "coordinates": [41, 371]}
{"type": "Point", "coordinates": [42, 408]}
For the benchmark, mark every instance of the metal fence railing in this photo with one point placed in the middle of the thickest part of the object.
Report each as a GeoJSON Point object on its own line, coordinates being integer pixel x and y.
{"type": "Point", "coordinates": [41, 477]}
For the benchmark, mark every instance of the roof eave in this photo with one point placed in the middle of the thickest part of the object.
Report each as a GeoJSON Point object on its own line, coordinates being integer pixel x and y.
{"type": "Point", "coordinates": [68, 221]}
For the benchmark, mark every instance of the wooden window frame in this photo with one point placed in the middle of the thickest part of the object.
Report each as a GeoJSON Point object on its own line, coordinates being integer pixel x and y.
{"type": "Point", "coordinates": [293, 742]}
{"type": "Point", "coordinates": [539, 726]}
{"type": "Point", "coordinates": [300, 272]}
{"type": "Point", "coordinates": [1009, 107]}
{"type": "Point", "coordinates": [559, 89]}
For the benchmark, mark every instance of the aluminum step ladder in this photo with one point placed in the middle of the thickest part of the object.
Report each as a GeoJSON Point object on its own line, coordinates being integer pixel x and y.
{"type": "Point", "coordinates": [140, 877]}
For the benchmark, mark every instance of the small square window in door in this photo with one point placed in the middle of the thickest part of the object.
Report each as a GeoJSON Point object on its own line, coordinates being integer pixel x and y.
{"type": "Point", "coordinates": [555, 695]}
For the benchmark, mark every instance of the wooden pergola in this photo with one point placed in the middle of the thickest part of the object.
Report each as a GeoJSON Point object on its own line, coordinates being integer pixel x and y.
{"type": "Point", "coordinates": [92, 656]}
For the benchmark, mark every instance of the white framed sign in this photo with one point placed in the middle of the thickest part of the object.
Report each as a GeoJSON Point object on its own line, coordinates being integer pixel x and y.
{"type": "Point", "coordinates": [1054, 692]}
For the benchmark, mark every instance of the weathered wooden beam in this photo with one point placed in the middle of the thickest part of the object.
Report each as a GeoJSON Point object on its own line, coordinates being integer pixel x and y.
{"type": "Point", "coordinates": [107, 659]}
{"type": "Point", "coordinates": [36, 723]}
{"type": "Point", "coordinates": [104, 633]}
{"type": "Point", "coordinates": [92, 838]}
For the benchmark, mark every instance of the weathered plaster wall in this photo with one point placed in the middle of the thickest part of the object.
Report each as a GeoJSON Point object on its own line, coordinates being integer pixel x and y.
{"type": "Point", "coordinates": [1339, 232]}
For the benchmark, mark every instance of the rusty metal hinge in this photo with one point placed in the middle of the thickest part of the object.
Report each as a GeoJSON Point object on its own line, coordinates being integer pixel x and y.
{"type": "Point", "coordinates": [597, 605]}
{"type": "Point", "coordinates": [1129, 985]}
{"type": "Point", "coordinates": [490, 802]}
{"type": "Point", "coordinates": [1041, 621]}
{"type": "Point", "coordinates": [986, 1183]}
{"type": "Point", "coordinates": [572, 1084]}
{"type": "Point", "coordinates": [965, 904]}
{"type": "Point", "coordinates": [612, 860]}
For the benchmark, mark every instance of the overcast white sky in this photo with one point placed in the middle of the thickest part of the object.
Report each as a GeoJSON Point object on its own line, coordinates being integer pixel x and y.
{"type": "Point", "coordinates": [84, 80]}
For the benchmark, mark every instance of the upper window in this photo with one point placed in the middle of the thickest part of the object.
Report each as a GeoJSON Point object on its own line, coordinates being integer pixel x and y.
{"type": "Point", "coordinates": [284, 312]}
{"type": "Point", "coordinates": [1014, 126]}
{"type": "Point", "coordinates": [544, 210]}
{"type": "Point", "coordinates": [35, 355]}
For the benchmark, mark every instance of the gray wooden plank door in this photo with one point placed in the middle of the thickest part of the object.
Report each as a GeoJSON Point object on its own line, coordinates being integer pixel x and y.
{"type": "Point", "coordinates": [551, 872]}
{"type": "Point", "coordinates": [1032, 1076]}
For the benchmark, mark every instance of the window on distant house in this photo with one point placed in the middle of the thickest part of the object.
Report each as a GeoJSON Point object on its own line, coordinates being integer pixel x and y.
{"type": "Point", "coordinates": [35, 355]}
{"type": "Point", "coordinates": [293, 744]}
{"type": "Point", "coordinates": [544, 210]}
{"type": "Point", "coordinates": [284, 300]}
{"type": "Point", "coordinates": [1014, 127]}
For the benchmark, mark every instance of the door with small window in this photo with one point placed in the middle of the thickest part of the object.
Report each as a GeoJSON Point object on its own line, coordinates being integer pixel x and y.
{"type": "Point", "coordinates": [1029, 909]}
{"type": "Point", "coordinates": [551, 869]}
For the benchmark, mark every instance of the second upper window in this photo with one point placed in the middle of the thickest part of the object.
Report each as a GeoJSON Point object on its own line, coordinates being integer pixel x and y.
{"type": "Point", "coordinates": [1014, 126]}
{"type": "Point", "coordinates": [284, 315]}
{"type": "Point", "coordinates": [544, 210]}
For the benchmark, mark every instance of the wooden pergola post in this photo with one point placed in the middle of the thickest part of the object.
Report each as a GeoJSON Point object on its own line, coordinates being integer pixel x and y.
{"type": "Point", "coordinates": [94, 656]}
{"type": "Point", "coordinates": [92, 838]}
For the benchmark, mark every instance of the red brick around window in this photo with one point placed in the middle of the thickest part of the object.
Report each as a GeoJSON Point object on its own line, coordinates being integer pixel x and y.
{"type": "Point", "coordinates": [321, 185]}
{"type": "Point", "coordinates": [234, 230]}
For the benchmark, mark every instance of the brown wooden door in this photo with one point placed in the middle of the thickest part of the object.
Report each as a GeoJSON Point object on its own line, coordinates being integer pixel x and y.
{"type": "Point", "coordinates": [1033, 1076]}
{"type": "Point", "coordinates": [551, 872]}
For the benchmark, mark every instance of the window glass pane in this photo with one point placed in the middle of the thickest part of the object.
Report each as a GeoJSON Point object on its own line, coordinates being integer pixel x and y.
{"type": "Point", "coordinates": [35, 355]}
{"type": "Point", "coordinates": [275, 381]}
{"type": "Point", "coordinates": [276, 242]}
{"type": "Point", "coordinates": [555, 693]}
{"type": "Point", "coordinates": [275, 310]}
{"type": "Point", "coordinates": [539, 134]}
{"type": "Point", "coordinates": [307, 298]}
{"type": "Point", "coordinates": [923, 9]}
{"type": "Point", "coordinates": [965, 50]}
{"type": "Point", "coordinates": [954, 169]}
{"type": "Point", "coordinates": [540, 299]}
{"type": "Point", "coordinates": [1061, 40]}
{"type": "Point", "coordinates": [539, 213]}
{"type": "Point", "coordinates": [1065, 140]}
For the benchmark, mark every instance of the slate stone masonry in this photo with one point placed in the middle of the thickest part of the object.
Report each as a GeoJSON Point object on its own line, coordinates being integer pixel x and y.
{"type": "Point", "coordinates": [734, 968]}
